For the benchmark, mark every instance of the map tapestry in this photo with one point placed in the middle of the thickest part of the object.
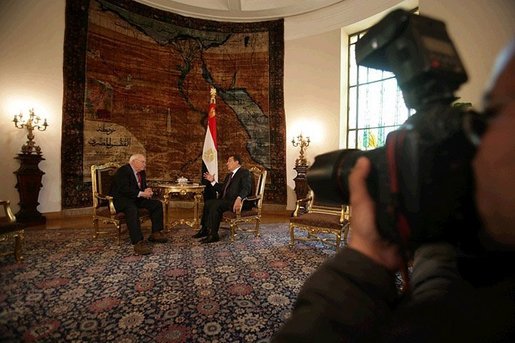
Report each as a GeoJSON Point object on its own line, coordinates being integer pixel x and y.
{"type": "Point", "coordinates": [138, 80]}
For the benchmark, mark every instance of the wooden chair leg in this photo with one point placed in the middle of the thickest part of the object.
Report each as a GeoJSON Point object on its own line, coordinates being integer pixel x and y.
{"type": "Point", "coordinates": [18, 246]}
{"type": "Point", "coordinates": [292, 235]}
{"type": "Point", "coordinates": [95, 225]}
{"type": "Point", "coordinates": [119, 238]}
{"type": "Point", "coordinates": [233, 231]}
{"type": "Point", "coordinates": [258, 222]}
{"type": "Point", "coordinates": [338, 241]}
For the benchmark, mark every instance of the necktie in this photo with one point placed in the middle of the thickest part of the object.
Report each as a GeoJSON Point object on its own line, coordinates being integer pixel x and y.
{"type": "Point", "coordinates": [227, 185]}
{"type": "Point", "coordinates": [140, 181]}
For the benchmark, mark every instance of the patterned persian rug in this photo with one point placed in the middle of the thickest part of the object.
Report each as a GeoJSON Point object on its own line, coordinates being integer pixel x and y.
{"type": "Point", "coordinates": [75, 289]}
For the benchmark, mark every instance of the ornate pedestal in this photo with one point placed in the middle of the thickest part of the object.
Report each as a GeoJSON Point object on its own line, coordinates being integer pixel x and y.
{"type": "Point", "coordinates": [301, 167]}
{"type": "Point", "coordinates": [28, 185]}
{"type": "Point", "coordinates": [301, 183]}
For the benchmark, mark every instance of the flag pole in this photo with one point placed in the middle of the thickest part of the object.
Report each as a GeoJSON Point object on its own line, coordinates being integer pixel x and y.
{"type": "Point", "coordinates": [210, 149]}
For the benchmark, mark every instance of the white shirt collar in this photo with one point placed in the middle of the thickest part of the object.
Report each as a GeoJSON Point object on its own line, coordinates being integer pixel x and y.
{"type": "Point", "coordinates": [235, 170]}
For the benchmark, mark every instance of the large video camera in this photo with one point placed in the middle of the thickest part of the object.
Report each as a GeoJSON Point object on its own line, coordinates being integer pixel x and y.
{"type": "Point", "coordinates": [421, 180]}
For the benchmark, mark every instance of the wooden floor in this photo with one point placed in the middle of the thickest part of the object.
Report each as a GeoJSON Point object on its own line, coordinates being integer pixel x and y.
{"type": "Point", "coordinates": [82, 219]}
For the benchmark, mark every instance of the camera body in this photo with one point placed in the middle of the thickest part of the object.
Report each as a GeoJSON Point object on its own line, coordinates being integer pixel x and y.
{"type": "Point", "coordinates": [421, 180]}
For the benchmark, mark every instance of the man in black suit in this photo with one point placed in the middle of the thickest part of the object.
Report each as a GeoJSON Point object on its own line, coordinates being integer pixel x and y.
{"type": "Point", "coordinates": [130, 192]}
{"type": "Point", "coordinates": [236, 186]}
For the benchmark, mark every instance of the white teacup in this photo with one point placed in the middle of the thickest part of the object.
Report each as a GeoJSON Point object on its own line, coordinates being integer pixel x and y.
{"type": "Point", "coordinates": [182, 180]}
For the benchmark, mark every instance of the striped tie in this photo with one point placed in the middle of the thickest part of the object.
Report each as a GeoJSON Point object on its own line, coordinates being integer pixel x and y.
{"type": "Point", "coordinates": [140, 180]}
{"type": "Point", "coordinates": [227, 185]}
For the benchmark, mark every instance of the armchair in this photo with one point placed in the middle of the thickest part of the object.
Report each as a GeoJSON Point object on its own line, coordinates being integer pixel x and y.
{"type": "Point", "coordinates": [250, 215]}
{"type": "Point", "coordinates": [9, 228]}
{"type": "Point", "coordinates": [103, 207]}
{"type": "Point", "coordinates": [319, 221]}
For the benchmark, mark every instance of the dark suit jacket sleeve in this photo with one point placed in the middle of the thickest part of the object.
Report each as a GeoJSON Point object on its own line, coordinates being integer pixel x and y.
{"type": "Point", "coordinates": [124, 183]}
{"type": "Point", "coordinates": [240, 186]}
{"type": "Point", "coordinates": [219, 187]}
{"type": "Point", "coordinates": [245, 188]}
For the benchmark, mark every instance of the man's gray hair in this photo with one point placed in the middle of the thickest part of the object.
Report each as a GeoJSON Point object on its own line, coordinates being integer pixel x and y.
{"type": "Point", "coordinates": [135, 157]}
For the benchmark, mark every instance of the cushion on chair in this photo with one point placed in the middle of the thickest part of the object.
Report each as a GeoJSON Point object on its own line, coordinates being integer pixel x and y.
{"type": "Point", "coordinates": [104, 212]}
{"type": "Point", "coordinates": [252, 212]}
{"type": "Point", "coordinates": [318, 220]}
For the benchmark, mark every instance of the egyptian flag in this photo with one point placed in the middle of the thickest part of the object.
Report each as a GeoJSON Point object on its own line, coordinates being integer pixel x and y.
{"type": "Point", "coordinates": [210, 150]}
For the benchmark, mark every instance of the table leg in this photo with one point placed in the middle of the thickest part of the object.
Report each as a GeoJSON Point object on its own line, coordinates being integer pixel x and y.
{"type": "Point", "coordinates": [196, 207]}
{"type": "Point", "coordinates": [166, 210]}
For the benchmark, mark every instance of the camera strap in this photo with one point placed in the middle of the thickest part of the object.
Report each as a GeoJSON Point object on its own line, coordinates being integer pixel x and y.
{"type": "Point", "coordinates": [394, 142]}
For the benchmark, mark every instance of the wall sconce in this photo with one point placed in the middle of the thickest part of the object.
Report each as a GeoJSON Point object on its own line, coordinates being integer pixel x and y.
{"type": "Point", "coordinates": [303, 143]}
{"type": "Point", "coordinates": [31, 123]}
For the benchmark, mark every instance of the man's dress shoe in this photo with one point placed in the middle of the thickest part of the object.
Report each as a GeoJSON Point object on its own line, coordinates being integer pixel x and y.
{"type": "Point", "coordinates": [158, 237]}
{"type": "Point", "coordinates": [211, 239]}
{"type": "Point", "coordinates": [142, 248]}
{"type": "Point", "coordinates": [200, 233]}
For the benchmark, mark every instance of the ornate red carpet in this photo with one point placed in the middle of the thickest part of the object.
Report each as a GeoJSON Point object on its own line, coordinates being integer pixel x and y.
{"type": "Point", "coordinates": [73, 288]}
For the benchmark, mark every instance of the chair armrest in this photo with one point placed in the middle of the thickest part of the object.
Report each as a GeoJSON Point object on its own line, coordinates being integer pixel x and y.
{"type": "Point", "coordinates": [109, 200]}
{"type": "Point", "coordinates": [307, 199]}
{"type": "Point", "coordinates": [8, 211]}
{"type": "Point", "coordinates": [252, 198]}
{"type": "Point", "coordinates": [304, 203]}
{"type": "Point", "coordinates": [246, 199]}
{"type": "Point", "coordinates": [345, 214]}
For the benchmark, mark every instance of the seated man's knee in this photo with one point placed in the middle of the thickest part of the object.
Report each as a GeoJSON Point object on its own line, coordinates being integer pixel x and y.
{"type": "Point", "coordinates": [156, 205]}
{"type": "Point", "coordinates": [130, 207]}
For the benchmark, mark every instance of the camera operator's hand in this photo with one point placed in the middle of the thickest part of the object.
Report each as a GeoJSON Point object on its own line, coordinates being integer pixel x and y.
{"type": "Point", "coordinates": [364, 235]}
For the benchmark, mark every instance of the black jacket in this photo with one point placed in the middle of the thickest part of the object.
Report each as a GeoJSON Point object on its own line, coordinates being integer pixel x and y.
{"type": "Point", "coordinates": [350, 298]}
{"type": "Point", "coordinates": [239, 186]}
{"type": "Point", "coordinates": [125, 186]}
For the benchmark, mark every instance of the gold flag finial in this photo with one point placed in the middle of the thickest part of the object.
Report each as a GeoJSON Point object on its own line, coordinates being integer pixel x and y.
{"type": "Point", "coordinates": [213, 95]}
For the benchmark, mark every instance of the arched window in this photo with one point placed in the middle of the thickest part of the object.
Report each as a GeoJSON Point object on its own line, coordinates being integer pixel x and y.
{"type": "Point", "coordinates": [375, 103]}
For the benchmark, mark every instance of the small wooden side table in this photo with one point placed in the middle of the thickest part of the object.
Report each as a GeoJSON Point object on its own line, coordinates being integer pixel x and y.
{"type": "Point", "coordinates": [174, 190]}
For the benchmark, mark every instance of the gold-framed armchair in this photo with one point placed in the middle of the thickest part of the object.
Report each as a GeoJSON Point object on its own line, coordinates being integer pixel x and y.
{"type": "Point", "coordinates": [103, 207]}
{"type": "Point", "coordinates": [320, 221]}
{"type": "Point", "coordinates": [250, 213]}
{"type": "Point", "coordinates": [11, 229]}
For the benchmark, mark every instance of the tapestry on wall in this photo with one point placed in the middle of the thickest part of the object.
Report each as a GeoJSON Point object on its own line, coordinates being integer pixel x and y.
{"type": "Point", "coordinates": [138, 80]}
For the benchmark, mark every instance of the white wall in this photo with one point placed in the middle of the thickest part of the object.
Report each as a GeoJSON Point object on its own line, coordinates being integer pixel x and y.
{"type": "Point", "coordinates": [311, 97]}
{"type": "Point", "coordinates": [31, 57]}
{"type": "Point", "coordinates": [31, 76]}
{"type": "Point", "coordinates": [479, 29]}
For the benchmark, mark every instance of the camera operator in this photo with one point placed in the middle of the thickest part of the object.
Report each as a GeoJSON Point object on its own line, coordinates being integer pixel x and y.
{"type": "Point", "coordinates": [353, 296]}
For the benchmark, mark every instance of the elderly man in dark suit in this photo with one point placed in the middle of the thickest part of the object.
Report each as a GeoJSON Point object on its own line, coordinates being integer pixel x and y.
{"type": "Point", "coordinates": [130, 192]}
{"type": "Point", "coordinates": [236, 186]}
